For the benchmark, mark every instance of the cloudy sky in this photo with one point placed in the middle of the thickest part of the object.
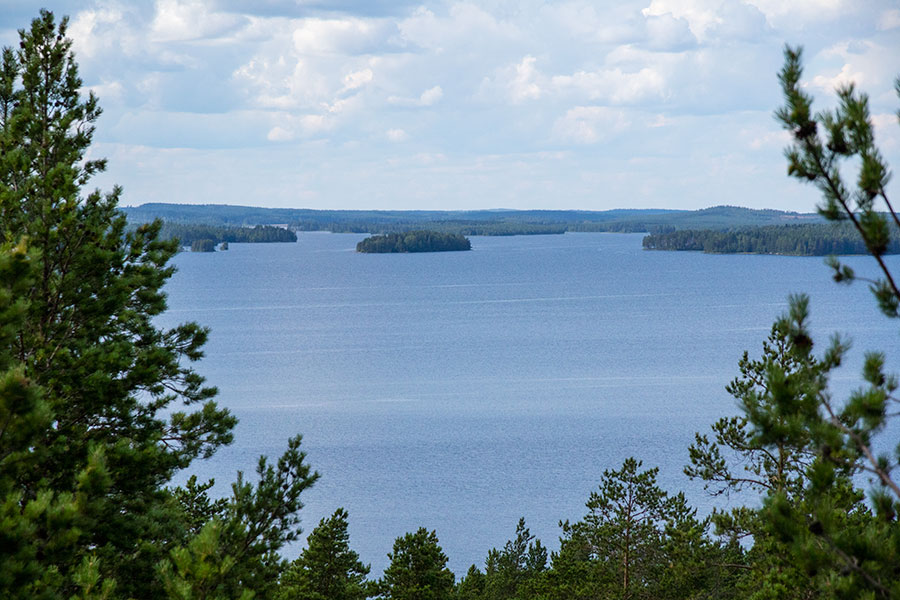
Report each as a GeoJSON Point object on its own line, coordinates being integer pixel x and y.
{"type": "Point", "coordinates": [455, 105]}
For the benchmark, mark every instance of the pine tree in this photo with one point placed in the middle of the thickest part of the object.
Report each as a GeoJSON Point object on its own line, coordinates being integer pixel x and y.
{"type": "Point", "coordinates": [327, 569]}
{"type": "Point", "coordinates": [624, 545]}
{"type": "Point", "coordinates": [510, 570]}
{"type": "Point", "coordinates": [846, 552]}
{"type": "Point", "coordinates": [418, 569]}
{"type": "Point", "coordinates": [101, 407]}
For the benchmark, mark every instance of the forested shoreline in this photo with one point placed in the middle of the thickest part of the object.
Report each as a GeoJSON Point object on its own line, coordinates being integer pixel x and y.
{"type": "Point", "coordinates": [813, 239]}
{"type": "Point", "coordinates": [187, 234]}
{"type": "Point", "coordinates": [476, 222]}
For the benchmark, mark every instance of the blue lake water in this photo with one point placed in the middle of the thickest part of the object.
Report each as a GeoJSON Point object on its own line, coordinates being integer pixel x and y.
{"type": "Point", "coordinates": [459, 391]}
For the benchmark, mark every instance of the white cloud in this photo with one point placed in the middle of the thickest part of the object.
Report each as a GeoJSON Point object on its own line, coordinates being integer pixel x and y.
{"type": "Point", "coordinates": [890, 19]}
{"type": "Point", "coordinates": [465, 22]}
{"type": "Point", "coordinates": [396, 135]}
{"type": "Point", "coordinates": [497, 79]}
{"type": "Point", "coordinates": [279, 134]}
{"type": "Point", "coordinates": [514, 83]}
{"type": "Point", "coordinates": [614, 85]}
{"type": "Point", "coordinates": [107, 92]}
{"type": "Point", "coordinates": [91, 30]}
{"type": "Point", "coordinates": [340, 36]}
{"type": "Point", "coordinates": [780, 12]}
{"type": "Point", "coordinates": [590, 124]}
{"type": "Point", "coordinates": [887, 131]}
{"type": "Point", "coordinates": [712, 19]}
{"type": "Point", "coordinates": [522, 86]}
{"type": "Point", "coordinates": [180, 20]}
{"type": "Point", "coordinates": [427, 98]}
{"type": "Point", "coordinates": [358, 79]}
{"type": "Point", "coordinates": [845, 76]}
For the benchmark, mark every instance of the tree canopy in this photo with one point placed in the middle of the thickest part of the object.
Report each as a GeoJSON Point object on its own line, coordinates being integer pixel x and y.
{"type": "Point", "coordinates": [414, 241]}
{"type": "Point", "coordinates": [105, 406]}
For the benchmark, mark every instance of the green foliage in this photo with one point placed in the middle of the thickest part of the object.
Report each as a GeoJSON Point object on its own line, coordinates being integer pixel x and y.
{"type": "Point", "coordinates": [327, 569]}
{"type": "Point", "coordinates": [810, 239]}
{"type": "Point", "coordinates": [100, 406]}
{"type": "Point", "coordinates": [203, 245]}
{"type": "Point", "coordinates": [202, 569]}
{"type": "Point", "coordinates": [626, 544]}
{"type": "Point", "coordinates": [418, 569]}
{"type": "Point", "coordinates": [822, 143]}
{"type": "Point", "coordinates": [783, 467]}
{"type": "Point", "coordinates": [815, 530]}
{"type": "Point", "coordinates": [414, 241]}
{"type": "Point", "coordinates": [187, 234]}
{"type": "Point", "coordinates": [469, 222]}
{"type": "Point", "coordinates": [513, 571]}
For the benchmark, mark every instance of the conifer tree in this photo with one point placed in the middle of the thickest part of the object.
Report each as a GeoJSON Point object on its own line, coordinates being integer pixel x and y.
{"type": "Point", "coordinates": [418, 569]}
{"type": "Point", "coordinates": [855, 552]}
{"type": "Point", "coordinates": [101, 406]}
{"type": "Point", "coordinates": [621, 548]}
{"type": "Point", "coordinates": [508, 571]}
{"type": "Point", "coordinates": [327, 569]}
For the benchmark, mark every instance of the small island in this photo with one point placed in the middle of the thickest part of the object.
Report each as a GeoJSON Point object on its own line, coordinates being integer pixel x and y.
{"type": "Point", "coordinates": [414, 241]}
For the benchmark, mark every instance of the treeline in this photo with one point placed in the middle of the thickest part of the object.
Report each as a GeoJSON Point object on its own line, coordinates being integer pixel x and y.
{"type": "Point", "coordinates": [635, 541]}
{"type": "Point", "coordinates": [187, 234]}
{"type": "Point", "coordinates": [468, 222]}
{"type": "Point", "coordinates": [493, 228]}
{"type": "Point", "coordinates": [414, 241]}
{"type": "Point", "coordinates": [819, 239]}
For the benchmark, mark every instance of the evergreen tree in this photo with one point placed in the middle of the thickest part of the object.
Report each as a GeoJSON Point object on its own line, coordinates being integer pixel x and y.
{"type": "Point", "coordinates": [625, 544]}
{"type": "Point", "coordinates": [105, 405]}
{"type": "Point", "coordinates": [855, 552]}
{"type": "Point", "coordinates": [471, 586]}
{"type": "Point", "coordinates": [327, 569]}
{"type": "Point", "coordinates": [418, 569]}
{"type": "Point", "coordinates": [513, 568]}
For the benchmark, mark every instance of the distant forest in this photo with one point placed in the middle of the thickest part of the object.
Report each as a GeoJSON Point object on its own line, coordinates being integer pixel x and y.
{"type": "Point", "coordinates": [720, 229]}
{"type": "Point", "coordinates": [476, 222]}
{"type": "Point", "coordinates": [187, 234]}
{"type": "Point", "coordinates": [414, 241]}
{"type": "Point", "coordinates": [813, 239]}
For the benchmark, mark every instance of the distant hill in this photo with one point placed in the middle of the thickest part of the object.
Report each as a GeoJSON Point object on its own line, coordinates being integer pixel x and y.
{"type": "Point", "coordinates": [469, 222]}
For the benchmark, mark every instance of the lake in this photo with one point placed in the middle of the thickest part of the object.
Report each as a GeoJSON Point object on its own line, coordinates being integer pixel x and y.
{"type": "Point", "coordinates": [460, 391]}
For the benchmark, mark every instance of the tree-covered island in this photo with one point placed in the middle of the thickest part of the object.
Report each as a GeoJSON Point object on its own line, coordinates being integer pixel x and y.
{"type": "Point", "coordinates": [414, 241]}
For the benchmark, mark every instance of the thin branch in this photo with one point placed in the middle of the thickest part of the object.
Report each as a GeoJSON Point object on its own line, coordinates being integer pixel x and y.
{"type": "Point", "coordinates": [850, 214]}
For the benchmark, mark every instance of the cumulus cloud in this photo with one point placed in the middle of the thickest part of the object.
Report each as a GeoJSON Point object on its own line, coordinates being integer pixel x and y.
{"type": "Point", "coordinates": [713, 20]}
{"type": "Point", "coordinates": [357, 79]}
{"type": "Point", "coordinates": [845, 76]}
{"type": "Point", "coordinates": [614, 85]}
{"type": "Point", "coordinates": [496, 79]}
{"type": "Point", "coordinates": [889, 19]}
{"type": "Point", "coordinates": [779, 13]}
{"type": "Point", "coordinates": [347, 36]}
{"type": "Point", "coordinates": [396, 135]}
{"type": "Point", "coordinates": [590, 124]}
{"type": "Point", "coordinates": [179, 20]}
{"type": "Point", "coordinates": [464, 22]}
{"type": "Point", "coordinates": [515, 83]}
{"type": "Point", "coordinates": [427, 98]}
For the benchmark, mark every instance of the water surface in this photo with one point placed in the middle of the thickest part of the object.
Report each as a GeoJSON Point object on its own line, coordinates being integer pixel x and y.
{"type": "Point", "coordinates": [459, 391]}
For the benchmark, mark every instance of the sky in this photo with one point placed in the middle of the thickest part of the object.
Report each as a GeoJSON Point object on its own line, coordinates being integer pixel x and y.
{"type": "Point", "coordinates": [378, 104]}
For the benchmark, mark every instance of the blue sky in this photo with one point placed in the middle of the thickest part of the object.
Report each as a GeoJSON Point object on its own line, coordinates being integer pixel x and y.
{"type": "Point", "coordinates": [462, 105]}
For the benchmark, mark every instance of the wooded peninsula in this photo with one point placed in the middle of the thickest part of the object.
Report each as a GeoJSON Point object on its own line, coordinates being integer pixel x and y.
{"type": "Point", "coordinates": [811, 239]}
